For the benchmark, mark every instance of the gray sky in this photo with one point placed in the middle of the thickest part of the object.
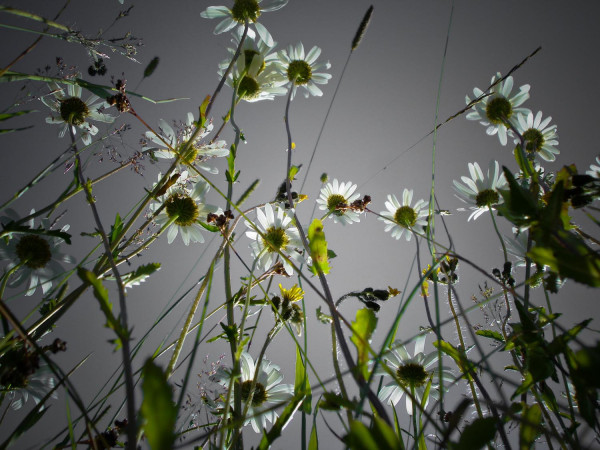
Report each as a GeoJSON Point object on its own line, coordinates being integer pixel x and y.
{"type": "Point", "coordinates": [385, 104]}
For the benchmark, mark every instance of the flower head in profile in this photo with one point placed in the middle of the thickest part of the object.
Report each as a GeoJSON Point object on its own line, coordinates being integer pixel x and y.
{"type": "Point", "coordinates": [401, 217]}
{"type": "Point", "coordinates": [499, 107]}
{"type": "Point", "coordinates": [255, 71]}
{"type": "Point", "coordinates": [277, 235]}
{"type": "Point", "coordinates": [194, 153]}
{"type": "Point", "coordinates": [540, 137]}
{"type": "Point", "coordinates": [411, 374]}
{"type": "Point", "coordinates": [286, 306]}
{"type": "Point", "coordinates": [335, 198]}
{"type": "Point", "coordinates": [24, 375]}
{"type": "Point", "coordinates": [69, 110]}
{"type": "Point", "coordinates": [302, 69]}
{"type": "Point", "coordinates": [36, 257]}
{"type": "Point", "coordinates": [479, 191]}
{"type": "Point", "coordinates": [242, 11]}
{"type": "Point", "coordinates": [183, 208]}
{"type": "Point", "coordinates": [594, 170]}
{"type": "Point", "coordinates": [267, 391]}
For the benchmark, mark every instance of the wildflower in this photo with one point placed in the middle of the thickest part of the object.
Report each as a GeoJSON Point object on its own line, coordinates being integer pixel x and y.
{"type": "Point", "coordinates": [499, 107]}
{"type": "Point", "coordinates": [540, 139]}
{"type": "Point", "coordinates": [481, 192]}
{"type": "Point", "coordinates": [37, 255]}
{"type": "Point", "coordinates": [335, 198]}
{"type": "Point", "coordinates": [69, 110]}
{"type": "Point", "coordinates": [192, 153]}
{"type": "Point", "coordinates": [255, 72]}
{"type": "Point", "coordinates": [267, 391]}
{"type": "Point", "coordinates": [411, 374]}
{"type": "Point", "coordinates": [242, 11]}
{"type": "Point", "coordinates": [184, 208]}
{"type": "Point", "coordinates": [594, 169]}
{"type": "Point", "coordinates": [401, 216]}
{"type": "Point", "coordinates": [277, 235]}
{"type": "Point", "coordinates": [287, 309]}
{"type": "Point", "coordinates": [301, 69]}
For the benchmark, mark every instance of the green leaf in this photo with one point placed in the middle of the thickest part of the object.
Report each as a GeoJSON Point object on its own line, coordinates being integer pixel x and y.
{"type": "Point", "coordinates": [151, 67]}
{"type": "Point", "coordinates": [381, 436]}
{"type": "Point", "coordinates": [318, 247]}
{"type": "Point", "coordinates": [158, 409]}
{"type": "Point", "coordinates": [115, 229]}
{"type": "Point", "coordinates": [101, 295]}
{"type": "Point", "coordinates": [285, 417]}
{"type": "Point", "coordinates": [520, 206]}
{"type": "Point", "coordinates": [293, 172]}
{"type": "Point", "coordinates": [6, 116]}
{"type": "Point", "coordinates": [530, 426]}
{"type": "Point", "coordinates": [301, 384]}
{"type": "Point", "coordinates": [362, 330]}
{"type": "Point", "coordinates": [334, 402]}
{"type": "Point", "coordinates": [139, 275]}
{"type": "Point", "coordinates": [313, 442]}
{"type": "Point", "coordinates": [203, 107]}
{"type": "Point", "coordinates": [322, 317]}
{"type": "Point", "coordinates": [11, 130]}
{"type": "Point", "coordinates": [466, 366]}
{"type": "Point", "coordinates": [30, 420]}
{"type": "Point", "coordinates": [491, 334]}
{"type": "Point", "coordinates": [477, 434]}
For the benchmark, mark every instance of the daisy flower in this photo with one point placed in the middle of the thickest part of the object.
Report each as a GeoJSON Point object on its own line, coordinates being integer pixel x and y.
{"type": "Point", "coordinates": [302, 69]}
{"type": "Point", "coordinates": [37, 255]}
{"type": "Point", "coordinates": [401, 217]}
{"type": "Point", "coordinates": [69, 110]}
{"type": "Point", "coordinates": [540, 139]}
{"type": "Point", "coordinates": [267, 391]}
{"type": "Point", "coordinates": [279, 236]}
{"type": "Point", "coordinates": [335, 198]}
{"type": "Point", "coordinates": [242, 11]}
{"type": "Point", "coordinates": [411, 374]}
{"type": "Point", "coordinates": [498, 107]}
{"type": "Point", "coordinates": [481, 192]}
{"type": "Point", "coordinates": [594, 169]}
{"type": "Point", "coordinates": [184, 208]}
{"type": "Point", "coordinates": [36, 386]}
{"type": "Point", "coordinates": [195, 153]}
{"type": "Point", "coordinates": [254, 70]}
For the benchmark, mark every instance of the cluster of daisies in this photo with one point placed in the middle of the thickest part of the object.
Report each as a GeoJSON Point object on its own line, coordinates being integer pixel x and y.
{"type": "Point", "coordinates": [261, 73]}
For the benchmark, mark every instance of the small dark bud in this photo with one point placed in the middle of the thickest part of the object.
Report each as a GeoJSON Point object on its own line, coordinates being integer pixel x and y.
{"type": "Point", "coordinates": [381, 294]}
{"type": "Point", "coordinates": [92, 71]}
{"type": "Point", "coordinates": [372, 305]}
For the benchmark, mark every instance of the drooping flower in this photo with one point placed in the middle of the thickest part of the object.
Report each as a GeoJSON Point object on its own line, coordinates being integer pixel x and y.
{"type": "Point", "coordinates": [335, 198]}
{"type": "Point", "coordinates": [184, 207]}
{"type": "Point", "coordinates": [401, 217]}
{"type": "Point", "coordinates": [38, 255]}
{"type": "Point", "coordinates": [481, 192]}
{"type": "Point", "coordinates": [242, 11]}
{"type": "Point", "coordinates": [286, 307]}
{"type": "Point", "coordinates": [255, 71]}
{"type": "Point", "coordinates": [69, 110]}
{"type": "Point", "coordinates": [302, 69]}
{"type": "Point", "coordinates": [267, 391]}
{"type": "Point", "coordinates": [278, 235]}
{"type": "Point", "coordinates": [594, 170]}
{"type": "Point", "coordinates": [412, 374]}
{"type": "Point", "coordinates": [195, 153]}
{"type": "Point", "coordinates": [494, 110]}
{"type": "Point", "coordinates": [540, 139]}
{"type": "Point", "coordinates": [24, 375]}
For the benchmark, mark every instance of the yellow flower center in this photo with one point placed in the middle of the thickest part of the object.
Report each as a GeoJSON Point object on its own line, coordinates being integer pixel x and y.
{"type": "Point", "coordinates": [184, 208]}
{"type": "Point", "coordinates": [34, 251]}
{"type": "Point", "coordinates": [259, 393]}
{"type": "Point", "coordinates": [405, 216]}
{"type": "Point", "coordinates": [74, 111]}
{"type": "Point", "coordinates": [299, 71]}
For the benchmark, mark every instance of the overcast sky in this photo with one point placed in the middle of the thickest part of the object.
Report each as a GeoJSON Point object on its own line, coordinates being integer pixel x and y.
{"type": "Point", "coordinates": [385, 104]}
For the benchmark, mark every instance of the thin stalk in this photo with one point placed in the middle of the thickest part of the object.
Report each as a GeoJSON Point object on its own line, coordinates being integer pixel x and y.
{"type": "Point", "coordinates": [329, 298]}
{"type": "Point", "coordinates": [123, 334]}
